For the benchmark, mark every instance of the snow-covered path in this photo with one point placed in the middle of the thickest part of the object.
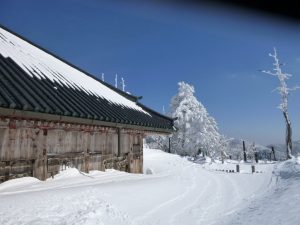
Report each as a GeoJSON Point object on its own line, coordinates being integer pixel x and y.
{"type": "Point", "coordinates": [178, 192]}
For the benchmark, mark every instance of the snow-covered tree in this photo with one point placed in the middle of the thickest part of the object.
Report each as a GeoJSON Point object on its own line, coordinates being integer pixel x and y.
{"type": "Point", "coordinates": [284, 93]}
{"type": "Point", "coordinates": [157, 142]}
{"type": "Point", "coordinates": [223, 147]}
{"type": "Point", "coordinates": [251, 151]}
{"type": "Point", "coordinates": [197, 130]}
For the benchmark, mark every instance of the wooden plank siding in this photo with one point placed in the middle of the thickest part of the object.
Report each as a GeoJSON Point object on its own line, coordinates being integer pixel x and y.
{"type": "Point", "coordinates": [41, 149]}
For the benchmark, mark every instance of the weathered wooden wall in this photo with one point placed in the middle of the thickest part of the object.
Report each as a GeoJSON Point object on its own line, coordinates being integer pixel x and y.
{"type": "Point", "coordinates": [41, 149]}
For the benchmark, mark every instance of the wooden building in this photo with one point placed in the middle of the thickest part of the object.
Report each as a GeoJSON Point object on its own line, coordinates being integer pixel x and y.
{"type": "Point", "coordinates": [53, 114]}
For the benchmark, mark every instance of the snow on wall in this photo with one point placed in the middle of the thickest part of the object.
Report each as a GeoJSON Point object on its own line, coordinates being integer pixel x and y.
{"type": "Point", "coordinates": [36, 62]}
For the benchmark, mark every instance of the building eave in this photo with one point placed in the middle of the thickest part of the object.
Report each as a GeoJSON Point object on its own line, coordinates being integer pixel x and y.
{"type": "Point", "coordinates": [31, 115]}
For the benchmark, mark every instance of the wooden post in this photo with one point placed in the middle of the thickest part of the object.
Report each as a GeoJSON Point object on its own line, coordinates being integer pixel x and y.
{"type": "Point", "coordinates": [273, 151]}
{"type": "Point", "coordinates": [39, 158]}
{"type": "Point", "coordinates": [7, 169]}
{"type": "Point", "coordinates": [45, 164]}
{"type": "Point", "coordinates": [44, 156]}
{"type": "Point", "coordinates": [32, 167]}
{"type": "Point", "coordinates": [256, 157]}
{"type": "Point", "coordinates": [86, 146]}
{"type": "Point", "coordinates": [169, 145]}
{"type": "Point", "coordinates": [244, 150]}
{"type": "Point", "coordinates": [253, 169]}
{"type": "Point", "coordinates": [237, 168]}
{"type": "Point", "coordinates": [87, 161]}
{"type": "Point", "coordinates": [119, 142]}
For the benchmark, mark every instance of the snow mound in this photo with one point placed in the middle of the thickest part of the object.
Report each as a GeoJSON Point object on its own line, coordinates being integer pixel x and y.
{"type": "Point", "coordinates": [178, 192]}
{"type": "Point", "coordinates": [69, 172]}
{"type": "Point", "coordinates": [64, 207]}
{"type": "Point", "coordinates": [280, 202]}
{"type": "Point", "coordinates": [288, 169]}
{"type": "Point", "coordinates": [17, 183]}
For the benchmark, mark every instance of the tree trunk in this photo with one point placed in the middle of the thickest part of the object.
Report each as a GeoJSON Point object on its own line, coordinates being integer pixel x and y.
{"type": "Point", "coordinates": [288, 136]}
{"type": "Point", "coordinates": [273, 151]}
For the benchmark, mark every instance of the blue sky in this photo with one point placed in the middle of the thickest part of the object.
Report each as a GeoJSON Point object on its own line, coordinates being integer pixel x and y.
{"type": "Point", "coordinates": [153, 47]}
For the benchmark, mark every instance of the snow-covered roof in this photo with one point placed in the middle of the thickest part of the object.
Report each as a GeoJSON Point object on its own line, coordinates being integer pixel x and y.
{"type": "Point", "coordinates": [43, 65]}
{"type": "Point", "coordinates": [42, 82]}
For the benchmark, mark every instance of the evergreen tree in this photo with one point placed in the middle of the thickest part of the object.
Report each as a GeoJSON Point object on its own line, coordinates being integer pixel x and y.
{"type": "Point", "coordinates": [197, 130]}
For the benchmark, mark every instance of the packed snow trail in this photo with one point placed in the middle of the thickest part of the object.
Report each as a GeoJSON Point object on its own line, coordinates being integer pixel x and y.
{"type": "Point", "coordinates": [177, 192]}
{"type": "Point", "coordinates": [280, 205]}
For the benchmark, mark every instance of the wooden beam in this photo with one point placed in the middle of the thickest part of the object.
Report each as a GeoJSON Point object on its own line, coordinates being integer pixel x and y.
{"type": "Point", "coordinates": [119, 142]}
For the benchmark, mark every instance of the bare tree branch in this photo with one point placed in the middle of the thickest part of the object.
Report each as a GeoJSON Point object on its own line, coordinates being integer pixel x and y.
{"type": "Point", "coordinates": [283, 90]}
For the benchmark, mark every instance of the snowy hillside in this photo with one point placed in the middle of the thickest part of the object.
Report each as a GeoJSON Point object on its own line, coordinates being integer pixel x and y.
{"type": "Point", "coordinates": [281, 148]}
{"type": "Point", "coordinates": [235, 148]}
{"type": "Point", "coordinates": [172, 191]}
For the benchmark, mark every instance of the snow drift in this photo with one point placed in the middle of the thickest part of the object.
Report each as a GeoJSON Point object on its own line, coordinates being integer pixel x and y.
{"type": "Point", "coordinates": [280, 203]}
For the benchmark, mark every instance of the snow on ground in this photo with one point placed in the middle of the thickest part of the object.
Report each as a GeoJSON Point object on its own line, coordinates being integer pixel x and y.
{"type": "Point", "coordinates": [278, 206]}
{"type": "Point", "coordinates": [172, 191]}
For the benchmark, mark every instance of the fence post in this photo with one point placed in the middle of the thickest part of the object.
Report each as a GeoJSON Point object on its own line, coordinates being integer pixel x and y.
{"type": "Point", "coordinates": [273, 151]}
{"type": "Point", "coordinates": [256, 157]}
{"type": "Point", "coordinates": [244, 150]}
{"type": "Point", "coordinates": [45, 164]}
{"type": "Point", "coordinates": [237, 168]}
{"type": "Point", "coordinates": [253, 168]}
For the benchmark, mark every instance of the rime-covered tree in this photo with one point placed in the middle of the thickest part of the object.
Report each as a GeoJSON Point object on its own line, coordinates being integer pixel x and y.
{"type": "Point", "coordinates": [157, 142]}
{"type": "Point", "coordinates": [251, 151]}
{"type": "Point", "coordinates": [197, 130]}
{"type": "Point", "coordinates": [223, 147]}
{"type": "Point", "coordinates": [284, 93]}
